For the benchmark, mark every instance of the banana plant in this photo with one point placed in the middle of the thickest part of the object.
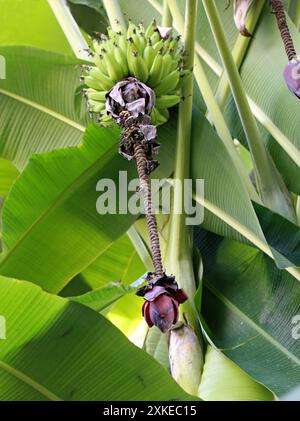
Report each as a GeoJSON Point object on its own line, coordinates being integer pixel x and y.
{"type": "Point", "coordinates": [199, 90]}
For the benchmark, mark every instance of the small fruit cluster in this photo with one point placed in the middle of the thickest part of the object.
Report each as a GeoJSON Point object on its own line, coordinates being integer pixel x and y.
{"type": "Point", "coordinates": [151, 55]}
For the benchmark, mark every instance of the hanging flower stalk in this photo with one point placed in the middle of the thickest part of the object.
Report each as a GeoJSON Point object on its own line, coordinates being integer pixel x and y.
{"type": "Point", "coordinates": [136, 78]}
{"type": "Point", "coordinates": [292, 69]}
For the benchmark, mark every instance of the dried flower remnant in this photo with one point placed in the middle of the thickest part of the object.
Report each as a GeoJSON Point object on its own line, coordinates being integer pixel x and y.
{"type": "Point", "coordinates": [151, 55]}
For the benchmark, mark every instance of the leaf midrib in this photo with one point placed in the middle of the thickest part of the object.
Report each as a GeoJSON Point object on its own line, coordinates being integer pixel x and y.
{"type": "Point", "coordinates": [221, 297]}
{"type": "Point", "coordinates": [29, 381]}
{"type": "Point", "coordinates": [43, 109]}
{"type": "Point", "coordinates": [65, 193]}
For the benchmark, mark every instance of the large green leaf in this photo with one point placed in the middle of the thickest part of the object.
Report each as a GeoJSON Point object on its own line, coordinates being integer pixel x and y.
{"type": "Point", "coordinates": [278, 110]}
{"type": "Point", "coordinates": [60, 350]}
{"type": "Point", "coordinates": [120, 261]}
{"type": "Point", "coordinates": [31, 23]}
{"type": "Point", "coordinates": [62, 187]}
{"type": "Point", "coordinates": [222, 380]}
{"type": "Point", "coordinates": [248, 306]}
{"type": "Point", "coordinates": [101, 298]}
{"type": "Point", "coordinates": [282, 236]}
{"type": "Point", "coordinates": [40, 109]}
{"type": "Point", "coordinates": [8, 174]}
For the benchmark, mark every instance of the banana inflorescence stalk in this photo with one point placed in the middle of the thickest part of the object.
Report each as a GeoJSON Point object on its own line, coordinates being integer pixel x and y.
{"type": "Point", "coordinates": [136, 78]}
{"type": "Point", "coordinates": [278, 8]}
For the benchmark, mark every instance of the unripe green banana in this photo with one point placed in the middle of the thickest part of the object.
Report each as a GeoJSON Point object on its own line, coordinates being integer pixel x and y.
{"type": "Point", "coordinates": [159, 46]}
{"type": "Point", "coordinates": [100, 63]}
{"type": "Point", "coordinates": [96, 106]}
{"type": "Point", "coordinates": [137, 65]}
{"type": "Point", "coordinates": [104, 81]}
{"type": "Point", "coordinates": [114, 69]}
{"type": "Point", "coordinates": [166, 65]}
{"type": "Point", "coordinates": [167, 101]}
{"type": "Point", "coordinates": [157, 117]}
{"type": "Point", "coordinates": [150, 29]}
{"type": "Point", "coordinates": [122, 42]}
{"type": "Point", "coordinates": [137, 42]}
{"type": "Point", "coordinates": [168, 84]}
{"type": "Point", "coordinates": [96, 95]}
{"type": "Point", "coordinates": [92, 83]}
{"type": "Point", "coordinates": [155, 37]}
{"type": "Point", "coordinates": [156, 70]}
{"type": "Point", "coordinates": [132, 28]}
{"type": "Point", "coordinates": [149, 55]}
{"type": "Point", "coordinates": [121, 58]}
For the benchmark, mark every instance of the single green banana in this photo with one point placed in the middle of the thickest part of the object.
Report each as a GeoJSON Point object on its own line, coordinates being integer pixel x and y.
{"type": "Point", "coordinates": [156, 70]}
{"type": "Point", "coordinates": [92, 83]}
{"type": "Point", "coordinates": [155, 37]}
{"type": "Point", "coordinates": [149, 55]}
{"type": "Point", "coordinates": [167, 101]}
{"type": "Point", "coordinates": [100, 63]}
{"type": "Point", "coordinates": [168, 84]}
{"type": "Point", "coordinates": [150, 29]}
{"type": "Point", "coordinates": [137, 66]}
{"type": "Point", "coordinates": [121, 58]}
{"type": "Point", "coordinates": [166, 65]}
{"type": "Point", "coordinates": [157, 118]}
{"type": "Point", "coordinates": [96, 95]}
{"type": "Point", "coordinates": [131, 29]}
{"type": "Point", "coordinates": [96, 106]}
{"type": "Point", "coordinates": [114, 69]}
{"type": "Point", "coordinates": [104, 81]}
{"type": "Point", "coordinates": [159, 46]}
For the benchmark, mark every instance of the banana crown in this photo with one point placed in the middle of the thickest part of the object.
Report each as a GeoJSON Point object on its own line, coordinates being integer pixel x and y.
{"type": "Point", "coordinates": [152, 55]}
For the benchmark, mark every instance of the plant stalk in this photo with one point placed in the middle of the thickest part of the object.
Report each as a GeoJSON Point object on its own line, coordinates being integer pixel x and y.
{"type": "Point", "coordinates": [269, 183]}
{"type": "Point", "coordinates": [279, 12]}
{"type": "Point", "coordinates": [114, 13]}
{"type": "Point", "coordinates": [217, 117]}
{"type": "Point", "coordinates": [179, 250]}
{"type": "Point", "coordinates": [166, 17]}
{"type": "Point", "coordinates": [239, 50]}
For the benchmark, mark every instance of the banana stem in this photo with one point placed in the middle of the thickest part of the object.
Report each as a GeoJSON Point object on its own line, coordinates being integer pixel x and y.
{"type": "Point", "coordinates": [239, 50]}
{"type": "Point", "coordinates": [145, 191]}
{"type": "Point", "coordinates": [213, 108]}
{"type": "Point", "coordinates": [114, 13]}
{"type": "Point", "coordinates": [179, 251]}
{"type": "Point", "coordinates": [166, 17]}
{"type": "Point", "coordinates": [269, 182]}
{"type": "Point", "coordinates": [278, 9]}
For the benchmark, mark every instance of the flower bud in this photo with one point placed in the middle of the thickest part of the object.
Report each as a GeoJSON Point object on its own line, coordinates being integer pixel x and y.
{"type": "Point", "coordinates": [186, 358]}
{"type": "Point", "coordinates": [162, 297]}
{"type": "Point", "coordinates": [292, 76]}
{"type": "Point", "coordinates": [162, 312]}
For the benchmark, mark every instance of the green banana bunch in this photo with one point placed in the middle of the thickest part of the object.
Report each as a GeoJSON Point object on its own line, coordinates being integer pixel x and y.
{"type": "Point", "coordinates": [148, 54]}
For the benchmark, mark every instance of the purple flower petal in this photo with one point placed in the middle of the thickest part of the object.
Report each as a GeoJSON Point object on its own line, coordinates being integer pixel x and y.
{"type": "Point", "coordinates": [164, 31]}
{"type": "Point", "coordinates": [292, 76]}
